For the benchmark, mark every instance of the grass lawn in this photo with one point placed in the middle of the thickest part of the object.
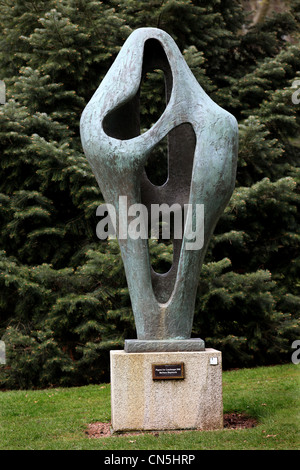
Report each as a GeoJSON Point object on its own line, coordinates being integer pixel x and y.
{"type": "Point", "coordinates": [56, 419]}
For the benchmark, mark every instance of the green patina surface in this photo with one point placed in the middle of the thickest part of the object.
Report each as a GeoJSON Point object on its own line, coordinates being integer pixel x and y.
{"type": "Point", "coordinates": [203, 140]}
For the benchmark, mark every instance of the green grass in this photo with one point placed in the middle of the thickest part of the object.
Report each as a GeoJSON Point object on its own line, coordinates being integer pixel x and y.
{"type": "Point", "coordinates": [57, 418]}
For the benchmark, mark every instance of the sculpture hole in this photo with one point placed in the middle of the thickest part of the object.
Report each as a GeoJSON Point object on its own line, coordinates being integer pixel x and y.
{"type": "Point", "coordinates": [161, 255]}
{"type": "Point", "coordinates": [157, 165]}
{"type": "Point", "coordinates": [152, 98]}
{"type": "Point", "coordinates": [175, 193]}
{"type": "Point", "coordinates": [135, 116]}
{"type": "Point", "coordinates": [156, 84]}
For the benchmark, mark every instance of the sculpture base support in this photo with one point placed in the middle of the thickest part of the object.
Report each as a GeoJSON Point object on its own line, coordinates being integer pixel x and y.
{"type": "Point", "coordinates": [144, 401]}
{"type": "Point", "coordinates": [171, 345]}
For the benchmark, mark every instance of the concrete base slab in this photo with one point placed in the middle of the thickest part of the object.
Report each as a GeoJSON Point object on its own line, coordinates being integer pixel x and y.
{"type": "Point", "coordinates": [142, 403]}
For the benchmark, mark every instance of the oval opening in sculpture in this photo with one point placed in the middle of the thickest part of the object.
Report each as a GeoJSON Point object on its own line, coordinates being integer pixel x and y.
{"type": "Point", "coordinates": [126, 121]}
{"type": "Point", "coordinates": [175, 193]}
{"type": "Point", "coordinates": [157, 165]}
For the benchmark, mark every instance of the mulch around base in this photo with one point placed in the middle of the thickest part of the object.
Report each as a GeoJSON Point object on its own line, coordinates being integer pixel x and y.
{"type": "Point", "coordinates": [238, 421]}
{"type": "Point", "coordinates": [231, 421]}
{"type": "Point", "coordinates": [96, 430]}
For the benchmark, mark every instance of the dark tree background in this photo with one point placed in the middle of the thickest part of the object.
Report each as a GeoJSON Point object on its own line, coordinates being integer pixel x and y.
{"type": "Point", "coordinates": [64, 301]}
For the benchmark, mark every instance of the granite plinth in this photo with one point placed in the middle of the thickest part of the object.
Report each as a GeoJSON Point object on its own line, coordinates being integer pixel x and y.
{"type": "Point", "coordinates": [140, 403]}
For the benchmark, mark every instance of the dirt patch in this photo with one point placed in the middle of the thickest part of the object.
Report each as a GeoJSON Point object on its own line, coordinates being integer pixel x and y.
{"type": "Point", "coordinates": [231, 421]}
{"type": "Point", "coordinates": [238, 421]}
{"type": "Point", "coordinates": [96, 430]}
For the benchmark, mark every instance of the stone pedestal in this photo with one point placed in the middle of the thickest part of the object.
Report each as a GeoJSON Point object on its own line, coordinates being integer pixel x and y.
{"type": "Point", "coordinates": [142, 403]}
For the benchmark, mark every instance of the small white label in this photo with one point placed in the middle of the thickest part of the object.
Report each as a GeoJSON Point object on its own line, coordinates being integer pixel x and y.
{"type": "Point", "coordinates": [213, 361]}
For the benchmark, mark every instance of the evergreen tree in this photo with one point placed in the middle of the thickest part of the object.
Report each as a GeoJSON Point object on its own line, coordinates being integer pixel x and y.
{"type": "Point", "coordinates": [64, 301]}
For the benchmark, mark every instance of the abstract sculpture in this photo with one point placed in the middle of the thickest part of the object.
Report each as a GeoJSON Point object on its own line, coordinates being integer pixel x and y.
{"type": "Point", "coordinates": [202, 153]}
